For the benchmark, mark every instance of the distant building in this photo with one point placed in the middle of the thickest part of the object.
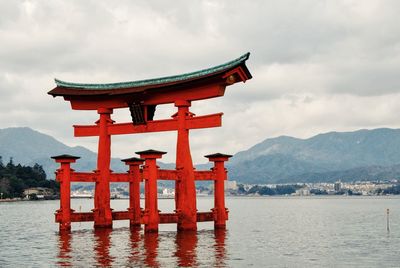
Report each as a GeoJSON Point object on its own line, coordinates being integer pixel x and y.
{"type": "Point", "coordinates": [338, 186]}
{"type": "Point", "coordinates": [303, 192]}
{"type": "Point", "coordinates": [231, 185]}
{"type": "Point", "coordinates": [228, 185]}
{"type": "Point", "coordinates": [168, 192]}
{"type": "Point", "coordinates": [82, 194]}
{"type": "Point", "coordinates": [39, 192]}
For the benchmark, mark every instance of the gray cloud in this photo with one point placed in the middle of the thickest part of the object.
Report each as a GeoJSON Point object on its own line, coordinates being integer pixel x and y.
{"type": "Point", "coordinates": [317, 65]}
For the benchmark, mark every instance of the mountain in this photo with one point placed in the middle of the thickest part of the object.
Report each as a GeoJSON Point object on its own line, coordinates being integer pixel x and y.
{"type": "Point", "coordinates": [27, 147]}
{"type": "Point", "coordinates": [369, 173]}
{"type": "Point", "coordinates": [358, 155]}
{"type": "Point", "coordinates": [354, 155]}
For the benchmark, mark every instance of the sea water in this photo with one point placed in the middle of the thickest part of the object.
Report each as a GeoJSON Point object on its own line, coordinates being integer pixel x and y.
{"type": "Point", "coordinates": [325, 231]}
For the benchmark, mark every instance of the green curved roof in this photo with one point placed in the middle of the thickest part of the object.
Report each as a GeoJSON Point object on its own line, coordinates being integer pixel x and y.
{"type": "Point", "coordinates": [156, 81]}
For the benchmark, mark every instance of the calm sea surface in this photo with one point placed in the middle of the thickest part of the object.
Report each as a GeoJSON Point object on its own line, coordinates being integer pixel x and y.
{"type": "Point", "coordinates": [262, 232]}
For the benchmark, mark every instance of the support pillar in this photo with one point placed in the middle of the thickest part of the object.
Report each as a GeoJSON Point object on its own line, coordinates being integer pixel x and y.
{"type": "Point", "coordinates": [102, 209]}
{"type": "Point", "coordinates": [220, 212]}
{"type": "Point", "coordinates": [134, 191]}
{"type": "Point", "coordinates": [185, 187]}
{"type": "Point", "coordinates": [63, 175]}
{"type": "Point", "coordinates": [150, 174]}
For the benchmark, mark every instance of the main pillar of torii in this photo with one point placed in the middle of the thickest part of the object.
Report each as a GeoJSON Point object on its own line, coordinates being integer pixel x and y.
{"type": "Point", "coordinates": [142, 97]}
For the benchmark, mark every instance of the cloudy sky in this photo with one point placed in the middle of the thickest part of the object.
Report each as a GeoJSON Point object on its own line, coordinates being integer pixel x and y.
{"type": "Point", "coordinates": [317, 66]}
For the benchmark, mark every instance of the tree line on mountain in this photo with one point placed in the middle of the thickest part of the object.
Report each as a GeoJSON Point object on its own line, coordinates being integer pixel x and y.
{"type": "Point", "coordinates": [290, 189]}
{"type": "Point", "coordinates": [265, 190]}
{"type": "Point", "coordinates": [392, 190]}
{"type": "Point", "coordinates": [14, 179]}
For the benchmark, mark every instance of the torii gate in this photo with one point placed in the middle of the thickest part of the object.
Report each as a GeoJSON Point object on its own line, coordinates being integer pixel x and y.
{"type": "Point", "coordinates": [142, 97]}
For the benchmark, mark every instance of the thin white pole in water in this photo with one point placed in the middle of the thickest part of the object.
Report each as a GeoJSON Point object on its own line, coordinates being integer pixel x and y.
{"type": "Point", "coordinates": [387, 220]}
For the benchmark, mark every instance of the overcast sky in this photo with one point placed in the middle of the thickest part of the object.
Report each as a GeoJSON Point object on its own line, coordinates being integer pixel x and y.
{"type": "Point", "coordinates": [317, 66]}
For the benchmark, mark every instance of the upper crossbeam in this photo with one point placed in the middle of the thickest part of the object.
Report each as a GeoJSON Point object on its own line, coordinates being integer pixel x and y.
{"type": "Point", "coordinates": [196, 122]}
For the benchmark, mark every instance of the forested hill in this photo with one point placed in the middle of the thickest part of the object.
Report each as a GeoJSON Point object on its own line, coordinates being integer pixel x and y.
{"type": "Point", "coordinates": [359, 155]}
{"type": "Point", "coordinates": [14, 178]}
{"type": "Point", "coordinates": [27, 146]}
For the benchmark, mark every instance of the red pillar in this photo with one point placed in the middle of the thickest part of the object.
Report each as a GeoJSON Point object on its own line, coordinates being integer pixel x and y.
{"type": "Point", "coordinates": [102, 210]}
{"type": "Point", "coordinates": [220, 212]}
{"type": "Point", "coordinates": [63, 215]}
{"type": "Point", "coordinates": [185, 188]}
{"type": "Point", "coordinates": [150, 175]}
{"type": "Point", "coordinates": [134, 190]}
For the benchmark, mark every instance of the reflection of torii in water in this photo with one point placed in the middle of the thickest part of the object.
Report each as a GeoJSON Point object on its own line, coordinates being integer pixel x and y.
{"type": "Point", "coordinates": [142, 97]}
{"type": "Point", "coordinates": [146, 251]}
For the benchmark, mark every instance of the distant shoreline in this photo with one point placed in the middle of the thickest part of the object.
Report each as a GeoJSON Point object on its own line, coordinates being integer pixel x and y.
{"type": "Point", "coordinates": [11, 200]}
{"type": "Point", "coordinates": [246, 197]}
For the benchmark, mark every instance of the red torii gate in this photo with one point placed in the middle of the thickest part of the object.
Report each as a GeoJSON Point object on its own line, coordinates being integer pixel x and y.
{"type": "Point", "coordinates": [142, 97]}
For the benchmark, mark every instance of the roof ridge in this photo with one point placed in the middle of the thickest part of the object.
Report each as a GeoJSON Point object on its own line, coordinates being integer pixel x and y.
{"type": "Point", "coordinates": [154, 81]}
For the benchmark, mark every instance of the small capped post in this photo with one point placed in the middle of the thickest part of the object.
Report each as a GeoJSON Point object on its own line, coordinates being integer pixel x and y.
{"type": "Point", "coordinates": [63, 175]}
{"type": "Point", "coordinates": [134, 164]}
{"type": "Point", "coordinates": [220, 212]}
{"type": "Point", "coordinates": [150, 174]}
